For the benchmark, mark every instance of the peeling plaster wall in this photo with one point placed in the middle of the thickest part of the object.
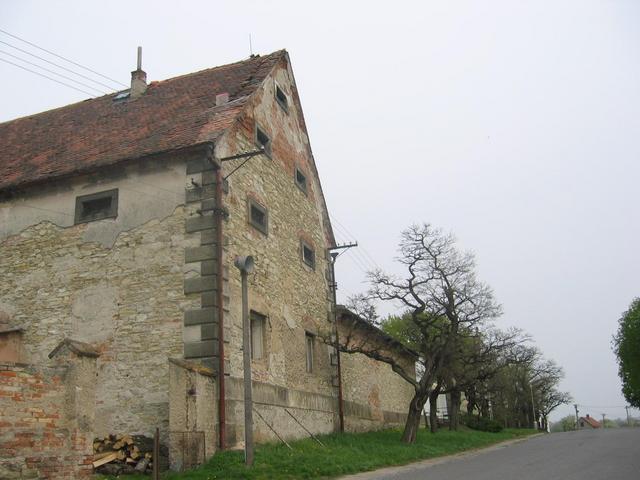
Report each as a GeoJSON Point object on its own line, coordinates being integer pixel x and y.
{"type": "Point", "coordinates": [147, 190]}
{"type": "Point", "coordinates": [115, 283]}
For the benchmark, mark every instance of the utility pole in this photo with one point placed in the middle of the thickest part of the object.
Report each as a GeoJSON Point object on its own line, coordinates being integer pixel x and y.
{"type": "Point", "coordinates": [533, 408]}
{"type": "Point", "coordinates": [575, 405]}
{"type": "Point", "coordinates": [628, 420]}
{"type": "Point", "coordinates": [334, 288]}
{"type": "Point", "coordinates": [603, 420]}
{"type": "Point", "coordinates": [245, 265]}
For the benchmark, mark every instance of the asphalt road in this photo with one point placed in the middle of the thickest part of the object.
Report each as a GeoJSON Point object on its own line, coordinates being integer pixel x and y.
{"type": "Point", "coordinates": [609, 454]}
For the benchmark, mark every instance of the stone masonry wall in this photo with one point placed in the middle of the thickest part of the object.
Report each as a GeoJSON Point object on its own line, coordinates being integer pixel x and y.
{"type": "Point", "coordinates": [125, 297]}
{"type": "Point", "coordinates": [294, 297]}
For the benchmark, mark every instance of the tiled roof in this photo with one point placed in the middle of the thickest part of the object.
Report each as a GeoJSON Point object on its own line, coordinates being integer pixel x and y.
{"type": "Point", "coordinates": [591, 421]}
{"type": "Point", "coordinates": [171, 114]}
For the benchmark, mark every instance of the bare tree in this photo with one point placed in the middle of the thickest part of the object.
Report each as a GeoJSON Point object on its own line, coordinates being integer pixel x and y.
{"type": "Point", "coordinates": [444, 302]}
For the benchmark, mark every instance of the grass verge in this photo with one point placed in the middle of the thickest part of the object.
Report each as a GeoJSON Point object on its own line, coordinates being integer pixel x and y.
{"type": "Point", "coordinates": [342, 454]}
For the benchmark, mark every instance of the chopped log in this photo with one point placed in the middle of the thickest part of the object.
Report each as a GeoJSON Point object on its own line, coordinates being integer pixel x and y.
{"type": "Point", "coordinates": [142, 465]}
{"type": "Point", "coordinates": [128, 440]}
{"type": "Point", "coordinates": [109, 458]}
{"type": "Point", "coordinates": [98, 456]}
{"type": "Point", "coordinates": [121, 455]}
{"type": "Point", "coordinates": [118, 445]}
{"type": "Point", "coordinates": [135, 453]}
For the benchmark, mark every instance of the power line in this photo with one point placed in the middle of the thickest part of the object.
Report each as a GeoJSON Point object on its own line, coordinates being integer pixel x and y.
{"type": "Point", "coordinates": [56, 65]}
{"type": "Point", "coordinates": [51, 71]}
{"type": "Point", "coordinates": [365, 256]}
{"type": "Point", "coordinates": [356, 254]}
{"type": "Point", "coordinates": [63, 58]}
{"type": "Point", "coordinates": [46, 76]}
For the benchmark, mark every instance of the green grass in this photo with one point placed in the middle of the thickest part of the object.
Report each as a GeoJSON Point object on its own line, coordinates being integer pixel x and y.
{"type": "Point", "coordinates": [342, 454]}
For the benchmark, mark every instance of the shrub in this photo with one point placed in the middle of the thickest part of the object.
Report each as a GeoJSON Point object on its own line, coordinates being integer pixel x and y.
{"type": "Point", "coordinates": [482, 424]}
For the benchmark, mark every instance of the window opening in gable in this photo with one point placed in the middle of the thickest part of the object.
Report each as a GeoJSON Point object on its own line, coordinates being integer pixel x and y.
{"type": "Point", "coordinates": [301, 180]}
{"type": "Point", "coordinates": [263, 141]}
{"type": "Point", "coordinates": [282, 99]}
{"type": "Point", "coordinates": [96, 206]}
{"type": "Point", "coordinates": [258, 217]}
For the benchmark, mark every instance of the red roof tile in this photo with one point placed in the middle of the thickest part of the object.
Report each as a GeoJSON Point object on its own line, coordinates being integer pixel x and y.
{"type": "Point", "coordinates": [98, 132]}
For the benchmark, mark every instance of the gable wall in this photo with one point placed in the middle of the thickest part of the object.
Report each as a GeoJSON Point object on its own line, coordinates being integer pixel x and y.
{"type": "Point", "coordinates": [294, 297]}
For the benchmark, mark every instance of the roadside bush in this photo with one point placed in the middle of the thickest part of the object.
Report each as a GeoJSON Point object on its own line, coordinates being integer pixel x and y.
{"type": "Point", "coordinates": [482, 424]}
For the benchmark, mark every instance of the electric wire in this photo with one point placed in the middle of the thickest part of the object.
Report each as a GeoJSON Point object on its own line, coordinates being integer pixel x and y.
{"type": "Point", "coordinates": [48, 77]}
{"type": "Point", "coordinates": [59, 66]}
{"type": "Point", "coordinates": [52, 71]}
{"type": "Point", "coordinates": [63, 58]}
{"type": "Point", "coordinates": [367, 264]}
{"type": "Point", "coordinates": [364, 250]}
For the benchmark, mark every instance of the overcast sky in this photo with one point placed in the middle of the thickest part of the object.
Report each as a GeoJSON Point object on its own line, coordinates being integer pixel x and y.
{"type": "Point", "coordinates": [513, 124]}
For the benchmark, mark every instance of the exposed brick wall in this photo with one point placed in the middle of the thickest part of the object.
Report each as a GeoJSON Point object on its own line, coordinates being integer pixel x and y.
{"type": "Point", "coordinates": [38, 437]}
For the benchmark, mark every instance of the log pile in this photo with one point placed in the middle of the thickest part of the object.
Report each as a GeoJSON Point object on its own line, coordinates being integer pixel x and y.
{"type": "Point", "coordinates": [118, 454]}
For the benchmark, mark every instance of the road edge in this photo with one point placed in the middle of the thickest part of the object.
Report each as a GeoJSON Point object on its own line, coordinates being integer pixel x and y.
{"type": "Point", "coordinates": [430, 462]}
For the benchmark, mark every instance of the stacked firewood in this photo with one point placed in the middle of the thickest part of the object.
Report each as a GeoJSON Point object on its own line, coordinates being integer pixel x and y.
{"type": "Point", "coordinates": [117, 454]}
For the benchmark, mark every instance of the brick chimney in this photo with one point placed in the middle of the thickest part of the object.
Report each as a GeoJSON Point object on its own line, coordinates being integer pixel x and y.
{"type": "Point", "coordinates": [138, 78]}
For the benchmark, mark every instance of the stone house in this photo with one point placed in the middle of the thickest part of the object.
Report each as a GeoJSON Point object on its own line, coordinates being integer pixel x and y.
{"type": "Point", "coordinates": [120, 217]}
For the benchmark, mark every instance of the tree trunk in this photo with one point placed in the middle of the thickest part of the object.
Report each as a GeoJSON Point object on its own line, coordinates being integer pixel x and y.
{"type": "Point", "coordinates": [454, 413]}
{"type": "Point", "coordinates": [433, 409]}
{"type": "Point", "coordinates": [471, 400]}
{"type": "Point", "coordinates": [413, 418]}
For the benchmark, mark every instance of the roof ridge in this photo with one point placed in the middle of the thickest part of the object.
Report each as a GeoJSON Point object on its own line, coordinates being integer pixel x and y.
{"type": "Point", "coordinates": [99, 132]}
{"type": "Point", "coordinates": [259, 58]}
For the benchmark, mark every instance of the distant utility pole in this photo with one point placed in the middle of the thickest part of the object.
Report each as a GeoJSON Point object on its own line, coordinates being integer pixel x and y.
{"type": "Point", "coordinates": [603, 415]}
{"type": "Point", "coordinates": [533, 407]}
{"type": "Point", "coordinates": [575, 405]}
{"type": "Point", "coordinates": [628, 420]}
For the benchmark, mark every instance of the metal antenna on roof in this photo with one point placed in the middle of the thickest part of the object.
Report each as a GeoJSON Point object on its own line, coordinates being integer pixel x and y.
{"type": "Point", "coordinates": [139, 58]}
{"type": "Point", "coordinates": [250, 47]}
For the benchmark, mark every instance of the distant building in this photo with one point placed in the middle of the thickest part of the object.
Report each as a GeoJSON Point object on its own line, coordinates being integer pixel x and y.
{"type": "Point", "coordinates": [588, 422]}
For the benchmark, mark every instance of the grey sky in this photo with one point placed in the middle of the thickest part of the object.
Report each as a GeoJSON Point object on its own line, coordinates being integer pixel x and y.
{"type": "Point", "coordinates": [513, 124]}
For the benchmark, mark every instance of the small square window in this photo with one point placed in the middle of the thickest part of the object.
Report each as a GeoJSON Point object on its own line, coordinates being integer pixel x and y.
{"type": "Point", "coordinates": [282, 99]}
{"type": "Point", "coordinates": [263, 141]}
{"type": "Point", "coordinates": [258, 217]}
{"type": "Point", "coordinates": [258, 322]}
{"type": "Point", "coordinates": [309, 340]}
{"type": "Point", "coordinates": [308, 254]}
{"type": "Point", "coordinates": [301, 180]}
{"type": "Point", "coordinates": [96, 206]}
